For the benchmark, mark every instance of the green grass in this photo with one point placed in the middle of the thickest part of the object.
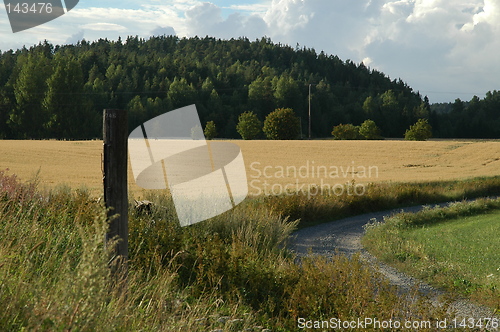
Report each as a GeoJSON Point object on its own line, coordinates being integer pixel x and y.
{"type": "Point", "coordinates": [231, 273]}
{"type": "Point", "coordinates": [470, 247]}
{"type": "Point", "coordinates": [455, 247]}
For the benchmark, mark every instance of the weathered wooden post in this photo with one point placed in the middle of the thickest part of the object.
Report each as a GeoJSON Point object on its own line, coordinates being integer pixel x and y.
{"type": "Point", "coordinates": [115, 132]}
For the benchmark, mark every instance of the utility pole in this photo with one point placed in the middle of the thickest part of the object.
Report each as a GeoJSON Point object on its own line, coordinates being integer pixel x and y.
{"type": "Point", "coordinates": [310, 111]}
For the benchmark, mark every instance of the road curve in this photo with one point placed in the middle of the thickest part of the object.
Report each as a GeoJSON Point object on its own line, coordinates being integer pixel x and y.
{"type": "Point", "coordinates": [344, 237]}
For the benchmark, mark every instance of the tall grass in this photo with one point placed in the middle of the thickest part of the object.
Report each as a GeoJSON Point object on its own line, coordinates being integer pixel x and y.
{"type": "Point", "coordinates": [54, 272]}
{"type": "Point", "coordinates": [231, 273]}
{"type": "Point", "coordinates": [443, 247]}
{"type": "Point", "coordinates": [317, 206]}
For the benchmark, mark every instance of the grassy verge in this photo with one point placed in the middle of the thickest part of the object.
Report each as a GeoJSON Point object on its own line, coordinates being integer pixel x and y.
{"type": "Point", "coordinates": [455, 247]}
{"type": "Point", "coordinates": [231, 273]}
{"type": "Point", "coordinates": [315, 207]}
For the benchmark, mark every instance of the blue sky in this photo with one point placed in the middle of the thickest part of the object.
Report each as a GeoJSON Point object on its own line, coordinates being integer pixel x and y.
{"type": "Point", "coordinates": [445, 49]}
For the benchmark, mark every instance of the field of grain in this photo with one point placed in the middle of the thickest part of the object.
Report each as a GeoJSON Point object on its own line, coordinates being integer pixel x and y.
{"type": "Point", "coordinates": [275, 166]}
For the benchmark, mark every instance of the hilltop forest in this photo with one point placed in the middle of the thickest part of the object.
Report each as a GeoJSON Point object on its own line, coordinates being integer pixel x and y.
{"type": "Point", "coordinates": [59, 92]}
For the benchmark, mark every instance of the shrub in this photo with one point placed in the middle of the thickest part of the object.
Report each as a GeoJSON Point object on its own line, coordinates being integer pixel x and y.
{"type": "Point", "coordinates": [210, 130]}
{"type": "Point", "coordinates": [249, 126]}
{"type": "Point", "coordinates": [369, 130]}
{"type": "Point", "coordinates": [230, 273]}
{"type": "Point", "coordinates": [12, 189]}
{"type": "Point", "coordinates": [346, 132]}
{"type": "Point", "coordinates": [282, 124]}
{"type": "Point", "coordinates": [420, 131]}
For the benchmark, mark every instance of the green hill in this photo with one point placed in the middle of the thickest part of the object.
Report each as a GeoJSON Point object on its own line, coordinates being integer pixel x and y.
{"type": "Point", "coordinates": [51, 91]}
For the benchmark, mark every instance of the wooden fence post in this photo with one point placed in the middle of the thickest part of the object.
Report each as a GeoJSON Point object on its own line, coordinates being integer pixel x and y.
{"type": "Point", "coordinates": [115, 132]}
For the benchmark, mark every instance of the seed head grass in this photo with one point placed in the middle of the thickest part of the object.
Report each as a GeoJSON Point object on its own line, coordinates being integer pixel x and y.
{"type": "Point", "coordinates": [231, 273]}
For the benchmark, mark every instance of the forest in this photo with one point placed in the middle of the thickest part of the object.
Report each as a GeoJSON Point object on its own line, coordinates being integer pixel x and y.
{"type": "Point", "coordinates": [60, 91]}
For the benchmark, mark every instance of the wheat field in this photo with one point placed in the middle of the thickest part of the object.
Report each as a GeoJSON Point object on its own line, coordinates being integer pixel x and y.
{"type": "Point", "coordinates": [274, 166]}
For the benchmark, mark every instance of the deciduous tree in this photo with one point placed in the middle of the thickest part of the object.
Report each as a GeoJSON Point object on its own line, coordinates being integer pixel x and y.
{"type": "Point", "coordinates": [249, 126]}
{"type": "Point", "coordinates": [210, 130]}
{"type": "Point", "coordinates": [346, 132]}
{"type": "Point", "coordinates": [282, 124]}
{"type": "Point", "coordinates": [369, 130]}
{"type": "Point", "coordinates": [420, 131]}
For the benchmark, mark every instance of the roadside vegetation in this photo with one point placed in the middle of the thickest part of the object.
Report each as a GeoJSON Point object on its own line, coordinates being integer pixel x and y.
{"type": "Point", "coordinates": [230, 273]}
{"type": "Point", "coordinates": [314, 207]}
{"type": "Point", "coordinates": [453, 247]}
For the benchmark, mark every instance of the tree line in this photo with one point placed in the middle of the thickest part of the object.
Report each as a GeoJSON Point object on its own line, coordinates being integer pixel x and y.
{"type": "Point", "coordinates": [283, 124]}
{"type": "Point", "coordinates": [477, 118]}
{"type": "Point", "coordinates": [49, 91]}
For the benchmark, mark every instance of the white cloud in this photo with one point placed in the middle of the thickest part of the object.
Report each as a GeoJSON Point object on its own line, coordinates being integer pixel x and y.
{"type": "Point", "coordinates": [253, 8]}
{"type": "Point", "coordinates": [435, 45]}
{"type": "Point", "coordinates": [367, 61]}
{"type": "Point", "coordinates": [286, 16]}
{"type": "Point", "coordinates": [160, 31]}
{"type": "Point", "coordinates": [75, 38]}
{"type": "Point", "coordinates": [104, 27]}
{"type": "Point", "coordinates": [206, 19]}
{"type": "Point", "coordinates": [438, 46]}
{"type": "Point", "coordinates": [489, 14]}
{"type": "Point", "coordinates": [203, 17]}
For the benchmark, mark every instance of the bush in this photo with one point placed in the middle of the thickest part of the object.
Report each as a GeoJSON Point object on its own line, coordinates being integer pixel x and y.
{"type": "Point", "coordinates": [420, 131]}
{"type": "Point", "coordinates": [282, 124]}
{"type": "Point", "coordinates": [249, 126]}
{"type": "Point", "coordinates": [369, 130]}
{"type": "Point", "coordinates": [210, 130]}
{"type": "Point", "coordinates": [346, 132]}
{"type": "Point", "coordinates": [230, 273]}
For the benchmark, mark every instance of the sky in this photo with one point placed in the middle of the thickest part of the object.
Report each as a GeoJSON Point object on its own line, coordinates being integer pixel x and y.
{"type": "Point", "coordinates": [445, 49]}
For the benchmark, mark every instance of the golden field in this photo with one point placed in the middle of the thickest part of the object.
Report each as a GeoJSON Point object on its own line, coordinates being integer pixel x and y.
{"type": "Point", "coordinates": [275, 165]}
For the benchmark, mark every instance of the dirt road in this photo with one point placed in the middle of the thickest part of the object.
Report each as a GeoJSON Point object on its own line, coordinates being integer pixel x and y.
{"type": "Point", "coordinates": [344, 236]}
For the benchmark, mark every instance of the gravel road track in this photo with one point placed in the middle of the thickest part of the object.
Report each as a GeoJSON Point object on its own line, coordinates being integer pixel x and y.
{"type": "Point", "coordinates": [344, 236]}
